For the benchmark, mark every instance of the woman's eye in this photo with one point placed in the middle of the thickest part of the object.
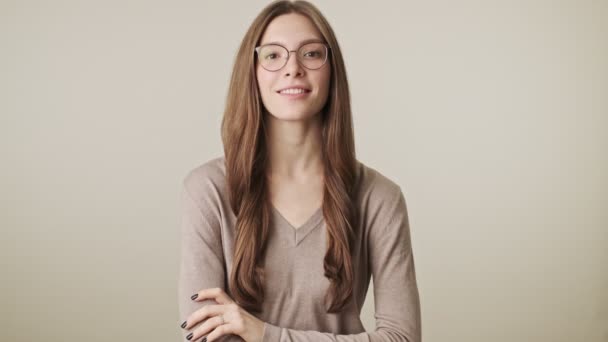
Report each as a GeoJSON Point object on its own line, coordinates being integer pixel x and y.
{"type": "Point", "coordinates": [271, 56]}
{"type": "Point", "coordinates": [311, 54]}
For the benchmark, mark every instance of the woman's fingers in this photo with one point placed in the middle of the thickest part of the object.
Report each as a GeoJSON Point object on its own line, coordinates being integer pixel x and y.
{"type": "Point", "coordinates": [208, 326]}
{"type": "Point", "coordinates": [221, 330]}
{"type": "Point", "coordinates": [213, 293]}
{"type": "Point", "coordinates": [204, 313]}
{"type": "Point", "coordinates": [211, 315]}
{"type": "Point", "coordinates": [220, 320]}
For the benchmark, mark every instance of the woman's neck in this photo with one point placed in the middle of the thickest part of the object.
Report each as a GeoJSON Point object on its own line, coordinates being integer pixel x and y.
{"type": "Point", "coordinates": [294, 147]}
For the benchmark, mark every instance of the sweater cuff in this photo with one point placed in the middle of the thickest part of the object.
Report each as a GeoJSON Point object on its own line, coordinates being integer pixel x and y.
{"type": "Point", "coordinates": [272, 333]}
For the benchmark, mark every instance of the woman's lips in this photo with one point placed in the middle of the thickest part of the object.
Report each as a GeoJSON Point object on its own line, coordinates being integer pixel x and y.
{"type": "Point", "coordinates": [295, 96]}
{"type": "Point", "coordinates": [299, 94]}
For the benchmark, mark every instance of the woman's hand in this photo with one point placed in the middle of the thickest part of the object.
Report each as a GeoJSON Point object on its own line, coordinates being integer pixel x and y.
{"type": "Point", "coordinates": [225, 318]}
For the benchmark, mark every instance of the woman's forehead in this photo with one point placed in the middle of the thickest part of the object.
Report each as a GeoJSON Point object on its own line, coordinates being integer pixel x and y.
{"type": "Point", "coordinates": [291, 30]}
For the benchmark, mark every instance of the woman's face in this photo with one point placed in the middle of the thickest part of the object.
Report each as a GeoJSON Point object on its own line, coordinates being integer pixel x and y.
{"type": "Point", "coordinates": [292, 31]}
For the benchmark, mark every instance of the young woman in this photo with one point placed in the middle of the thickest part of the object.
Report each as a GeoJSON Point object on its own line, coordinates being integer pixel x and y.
{"type": "Point", "coordinates": [281, 235]}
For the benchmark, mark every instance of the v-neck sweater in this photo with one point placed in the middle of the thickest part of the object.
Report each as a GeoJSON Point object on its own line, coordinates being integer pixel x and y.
{"type": "Point", "coordinates": [293, 309]}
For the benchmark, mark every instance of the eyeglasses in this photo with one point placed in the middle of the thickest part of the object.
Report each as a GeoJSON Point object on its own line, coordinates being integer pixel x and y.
{"type": "Point", "coordinates": [274, 57]}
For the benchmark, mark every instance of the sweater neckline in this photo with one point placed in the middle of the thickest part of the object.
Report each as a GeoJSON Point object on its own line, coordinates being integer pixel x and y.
{"type": "Point", "coordinates": [299, 233]}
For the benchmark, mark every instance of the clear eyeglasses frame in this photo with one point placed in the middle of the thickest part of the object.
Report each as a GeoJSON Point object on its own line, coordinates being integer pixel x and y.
{"type": "Point", "coordinates": [302, 55]}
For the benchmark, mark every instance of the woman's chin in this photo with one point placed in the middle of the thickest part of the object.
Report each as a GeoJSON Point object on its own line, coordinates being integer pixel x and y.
{"type": "Point", "coordinates": [292, 116]}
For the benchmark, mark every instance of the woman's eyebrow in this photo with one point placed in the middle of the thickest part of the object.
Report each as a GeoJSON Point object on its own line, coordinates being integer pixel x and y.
{"type": "Point", "coordinates": [306, 41]}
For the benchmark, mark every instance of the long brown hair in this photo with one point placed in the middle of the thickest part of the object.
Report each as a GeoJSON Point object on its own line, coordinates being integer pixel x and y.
{"type": "Point", "coordinates": [246, 158]}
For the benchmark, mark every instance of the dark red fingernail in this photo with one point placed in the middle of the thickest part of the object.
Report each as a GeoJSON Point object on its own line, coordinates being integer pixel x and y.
{"type": "Point", "coordinates": [184, 324]}
{"type": "Point", "coordinates": [204, 339]}
{"type": "Point", "coordinates": [189, 337]}
{"type": "Point", "coordinates": [194, 296]}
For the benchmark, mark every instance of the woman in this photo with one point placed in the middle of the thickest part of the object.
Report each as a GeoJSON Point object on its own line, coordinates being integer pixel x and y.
{"type": "Point", "coordinates": [281, 235]}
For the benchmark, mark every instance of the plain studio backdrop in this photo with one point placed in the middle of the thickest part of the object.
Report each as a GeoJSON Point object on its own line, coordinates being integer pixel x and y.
{"type": "Point", "coordinates": [491, 116]}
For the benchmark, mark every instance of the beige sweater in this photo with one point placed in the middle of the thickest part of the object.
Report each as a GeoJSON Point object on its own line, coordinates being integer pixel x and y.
{"type": "Point", "coordinates": [293, 308]}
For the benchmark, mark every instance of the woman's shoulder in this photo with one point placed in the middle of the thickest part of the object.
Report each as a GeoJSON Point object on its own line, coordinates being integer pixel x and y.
{"type": "Point", "coordinates": [376, 190]}
{"type": "Point", "coordinates": [206, 180]}
{"type": "Point", "coordinates": [373, 180]}
{"type": "Point", "coordinates": [209, 170]}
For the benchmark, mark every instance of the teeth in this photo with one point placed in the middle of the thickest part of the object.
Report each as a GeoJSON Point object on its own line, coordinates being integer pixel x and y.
{"type": "Point", "coordinates": [293, 91]}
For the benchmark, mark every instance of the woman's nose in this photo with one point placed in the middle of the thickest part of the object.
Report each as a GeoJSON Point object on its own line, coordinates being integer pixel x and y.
{"type": "Point", "coordinates": [293, 65]}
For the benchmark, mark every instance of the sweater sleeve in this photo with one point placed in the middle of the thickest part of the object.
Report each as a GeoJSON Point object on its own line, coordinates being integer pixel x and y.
{"type": "Point", "coordinates": [202, 258]}
{"type": "Point", "coordinates": [397, 303]}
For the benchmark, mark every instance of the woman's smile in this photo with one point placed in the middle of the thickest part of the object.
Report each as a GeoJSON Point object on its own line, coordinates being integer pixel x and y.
{"type": "Point", "coordinates": [294, 93]}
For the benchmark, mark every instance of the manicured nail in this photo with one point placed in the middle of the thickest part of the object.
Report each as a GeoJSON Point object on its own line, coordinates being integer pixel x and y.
{"type": "Point", "coordinates": [184, 324]}
{"type": "Point", "coordinates": [204, 339]}
{"type": "Point", "coordinates": [189, 337]}
{"type": "Point", "coordinates": [194, 296]}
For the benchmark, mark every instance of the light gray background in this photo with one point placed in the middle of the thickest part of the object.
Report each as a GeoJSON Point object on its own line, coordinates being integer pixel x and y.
{"type": "Point", "coordinates": [491, 115]}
